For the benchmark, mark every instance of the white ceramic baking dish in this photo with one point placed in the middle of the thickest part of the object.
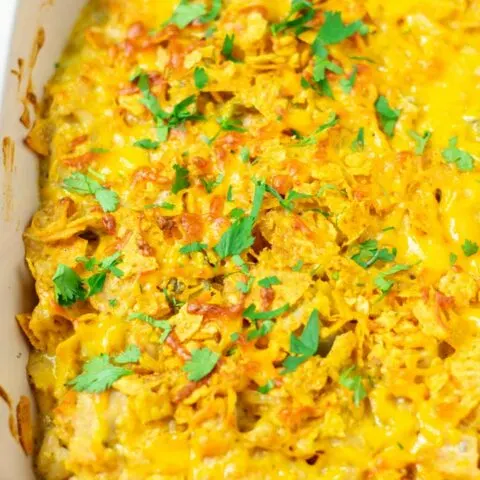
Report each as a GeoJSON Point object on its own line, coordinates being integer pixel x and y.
{"type": "Point", "coordinates": [22, 23]}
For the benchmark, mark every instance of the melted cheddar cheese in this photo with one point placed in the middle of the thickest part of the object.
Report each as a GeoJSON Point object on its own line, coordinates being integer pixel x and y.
{"type": "Point", "coordinates": [377, 241]}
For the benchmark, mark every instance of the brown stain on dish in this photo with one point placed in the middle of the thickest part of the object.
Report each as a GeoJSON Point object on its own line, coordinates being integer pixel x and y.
{"type": "Point", "coordinates": [25, 424]}
{"type": "Point", "coordinates": [8, 149]}
{"type": "Point", "coordinates": [19, 71]}
{"type": "Point", "coordinates": [11, 417]}
{"type": "Point", "coordinates": [30, 99]}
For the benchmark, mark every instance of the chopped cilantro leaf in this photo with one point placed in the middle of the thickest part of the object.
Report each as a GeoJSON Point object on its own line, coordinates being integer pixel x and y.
{"type": "Point", "coordinates": [95, 283]}
{"type": "Point", "coordinates": [359, 143]}
{"type": "Point", "coordinates": [251, 313]}
{"type": "Point", "coordinates": [321, 66]}
{"type": "Point", "coordinates": [237, 213]}
{"type": "Point", "coordinates": [268, 282]}
{"type": "Point", "coordinates": [113, 302]}
{"type": "Point", "coordinates": [347, 84]}
{"type": "Point", "coordinates": [230, 194]}
{"type": "Point", "coordinates": [147, 144]}
{"type": "Point", "coordinates": [298, 266]}
{"type": "Point", "coordinates": [354, 382]}
{"type": "Point", "coordinates": [265, 328]}
{"type": "Point", "coordinates": [239, 236]}
{"type": "Point", "coordinates": [227, 48]}
{"type": "Point", "coordinates": [165, 205]}
{"type": "Point", "coordinates": [181, 180]}
{"type": "Point", "coordinates": [369, 253]}
{"type": "Point", "coordinates": [306, 13]}
{"type": "Point", "coordinates": [335, 31]}
{"type": "Point", "coordinates": [193, 247]}
{"type": "Point", "coordinates": [163, 324]}
{"type": "Point", "coordinates": [453, 259]}
{"type": "Point", "coordinates": [98, 375]}
{"type": "Point", "coordinates": [244, 154]}
{"type": "Point", "coordinates": [420, 140]}
{"type": "Point", "coordinates": [335, 276]}
{"type": "Point", "coordinates": [130, 355]}
{"type": "Point", "coordinates": [385, 284]}
{"type": "Point", "coordinates": [203, 361]}
{"type": "Point", "coordinates": [245, 287]}
{"type": "Point", "coordinates": [200, 77]}
{"type": "Point", "coordinates": [267, 387]}
{"type": "Point", "coordinates": [186, 13]}
{"type": "Point", "coordinates": [388, 116]}
{"type": "Point", "coordinates": [211, 184]}
{"type": "Point", "coordinates": [81, 184]}
{"type": "Point", "coordinates": [68, 286]}
{"type": "Point", "coordinates": [214, 12]}
{"type": "Point", "coordinates": [304, 346]}
{"type": "Point", "coordinates": [239, 262]}
{"type": "Point", "coordinates": [469, 248]}
{"type": "Point", "coordinates": [461, 158]}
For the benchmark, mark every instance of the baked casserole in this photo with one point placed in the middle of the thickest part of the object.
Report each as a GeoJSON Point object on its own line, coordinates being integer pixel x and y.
{"type": "Point", "coordinates": [257, 250]}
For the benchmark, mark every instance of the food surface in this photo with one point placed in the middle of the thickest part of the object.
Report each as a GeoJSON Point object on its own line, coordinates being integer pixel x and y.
{"type": "Point", "coordinates": [257, 251]}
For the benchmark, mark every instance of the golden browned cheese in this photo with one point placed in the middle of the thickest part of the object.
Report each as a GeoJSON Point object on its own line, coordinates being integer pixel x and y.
{"type": "Point", "coordinates": [392, 388]}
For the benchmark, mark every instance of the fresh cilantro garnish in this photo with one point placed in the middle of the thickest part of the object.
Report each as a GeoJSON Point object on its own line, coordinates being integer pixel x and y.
{"type": "Point", "coordinates": [335, 276]}
{"type": "Point", "coordinates": [369, 253]}
{"type": "Point", "coordinates": [305, 12]}
{"type": "Point", "coordinates": [321, 87]}
{"type": "Point", "coordinates": [230, 194]}
{"type": "Point", "coordinates": [234, 336]}
{"type": "Point", "coordinates": [354, 382]}
{"type": "Point", "coordinates": [239, 262]}
{"type": "Point", "coordinates": [83, 185]}
{"type": "Point", "coordinates": [461, 158]}
{"type": "Point", "coordinates": [346, 84]}
{"type": "Point", "coordinates": [237, 213]}
{"type": "Point", "coordinates": [203, 361]}
{"type": "Point", "coordinates": [163, 324]}
{"type": "Point", "coordinates": [147, 144]}
{"type": "Point", "coordinates": [227, 125]}
{"type": "Point", "coordinates": [210, 185]}
{"type": "Point", "coordinates": [245, 287]}
{"type": "Point", "coordinates": [186, 13]}
{"type": "Point", "coordinates": [113, 302]}
{"type": "Point", "coordinates": [321, 66]}
{"type": "Point", "coordinates": [453, 259]}
{"type": "Point", "coordinates": [298, 266]}
{"type": "Point", "coordinates": [68, 286]}
{"type": "Point", "coordinates": [420, 140]}
{"type": "Point", "coordinates": [305, 346]}
{"type": "Point", "coordinates": [469, 248]}
{"type": "Point", "coordinates": [268, 282]}
{"type": "Point", "coordinates": [98, 375]}
{"type": "Point", "coordinates": [181, 180]}
{"type": "Point", "coordinates": [214, 13]}
{"type": "Point", "coordinates": [359, 143]}
{"type": "Point", "coordinates": [172, 300]}
{"type": "Point", "coordinates": [130, 355]}
{"type": "Point", "coordinates": [200, 77]}
{"type": "Point", "coordinates": [335, 31]}
{"type": "Point", "coordinates": [244, 154]}
{"type": "Point", "coordinates": [265, 328]}
{"type": "Point", "coordinates": [267, 387]}
{"type": "Point", "coordinates": [239, 236]}
{"type": "Point", "coordinates": [311, 140]}
{"type": "Point", "coordinates": [251, 313]}
{"type": "Point", "coordinates": [165, 121]}
{"type": "Point", "coordinates": [99, 150]}
{"type": "Point", "coordinates": [193, 247]}
{"type": "Point", "coordinates": [227, 48]}
{"type": "Point", "coordinates": [388, 116]}
{"type": "Point", "coordinates": [384, 284]}
{"type": "Point", "coordinates": [287, 202]}
{"type": "Point", "coordinates": [165, 205]}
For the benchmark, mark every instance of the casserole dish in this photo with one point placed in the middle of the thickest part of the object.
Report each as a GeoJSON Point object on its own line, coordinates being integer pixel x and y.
{"type": "Point", "coordinates": [256, 251]}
